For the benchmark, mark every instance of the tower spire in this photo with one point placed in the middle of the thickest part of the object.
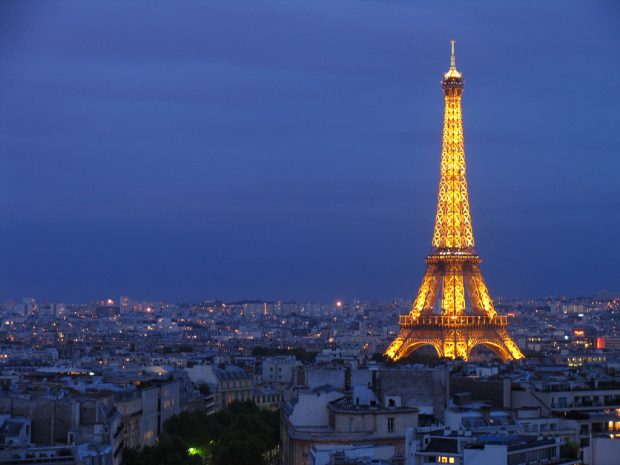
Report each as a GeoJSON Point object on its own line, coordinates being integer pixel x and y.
{"type": "Point", "coordinates": [452, 58]}
{"type": "Point", "coordinates": [453, 73]}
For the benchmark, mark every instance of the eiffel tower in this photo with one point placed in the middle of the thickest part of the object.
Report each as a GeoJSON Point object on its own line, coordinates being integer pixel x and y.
{"type": "Point", "coordinates": [439, 315]}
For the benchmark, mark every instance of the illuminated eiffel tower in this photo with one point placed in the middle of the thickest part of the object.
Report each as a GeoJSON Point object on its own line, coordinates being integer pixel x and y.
{"type": "Point", "coordinates": [439, 315]}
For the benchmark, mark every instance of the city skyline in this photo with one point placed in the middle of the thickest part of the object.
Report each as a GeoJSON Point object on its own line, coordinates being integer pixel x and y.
{"type": "Point", "coordinates": [194, 154]}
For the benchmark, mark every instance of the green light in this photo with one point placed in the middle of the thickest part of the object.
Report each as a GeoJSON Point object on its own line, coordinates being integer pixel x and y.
{"type": "Point", "coordinates": [193, 451]}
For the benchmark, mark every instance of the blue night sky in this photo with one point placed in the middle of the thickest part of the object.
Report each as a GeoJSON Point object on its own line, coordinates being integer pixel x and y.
{"type": "Point", "coordinates": [286, 149]}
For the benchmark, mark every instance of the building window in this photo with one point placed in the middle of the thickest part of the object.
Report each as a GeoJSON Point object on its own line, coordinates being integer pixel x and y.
{"type": "Point", "coordinates": [444, 459]}
{"type": "Point", "coordinates": [390, 424]}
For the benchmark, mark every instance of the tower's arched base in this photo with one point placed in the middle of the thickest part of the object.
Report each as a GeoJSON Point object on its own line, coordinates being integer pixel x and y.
{"type": "Point", "coordinates": [453, 340]}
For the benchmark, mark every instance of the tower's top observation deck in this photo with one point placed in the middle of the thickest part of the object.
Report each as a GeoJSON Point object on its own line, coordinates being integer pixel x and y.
{"type": "Point", "coordinates": [452, 78]}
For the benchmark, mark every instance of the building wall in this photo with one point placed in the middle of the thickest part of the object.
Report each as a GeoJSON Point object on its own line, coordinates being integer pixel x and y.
{"type": "Point", "coordinates": [423, 388]}
{"type": "Point", "coordinates": [602, 451]}
{"type": "Point", "coordinates": [495, 392]}
{"type": "Point", "coordinates": [130, 409]}
{"type": "Point", "coordinates": [201, 374]}
{"type": "Point", "coordinates": [150, 422]}
{"type": "Point", "coordinates": [279, 369]}
{"type": "Point", "coordinates": [311, 409]}
{"type": "Point", "coordinates": [376, 423]}
{"type": "Point", "coordinates": [168, 402]}
{"type": "Point", "coordinates": [316, 377]}
{"type": "Point", "coordinates": [51, 418]}
{"type": "Point", "coordinates": [490, 454]}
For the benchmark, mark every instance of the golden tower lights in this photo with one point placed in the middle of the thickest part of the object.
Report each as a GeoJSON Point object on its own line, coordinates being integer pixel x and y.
{"type": "Point", "coordinates": [438, 315]}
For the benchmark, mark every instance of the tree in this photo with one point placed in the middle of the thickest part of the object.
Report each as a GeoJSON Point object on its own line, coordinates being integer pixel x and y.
{"type": "Point", "coordinates": [240, 435]}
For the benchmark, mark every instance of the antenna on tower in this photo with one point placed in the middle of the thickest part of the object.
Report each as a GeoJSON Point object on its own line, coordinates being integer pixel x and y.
{"type": "Point", "coordinates": [453, 75]}
{"type": "Point", "coordinates": [453, 58]}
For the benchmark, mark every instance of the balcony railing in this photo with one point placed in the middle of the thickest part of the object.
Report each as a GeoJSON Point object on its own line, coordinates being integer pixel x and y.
{"type": "Point", "coordinates": [453, 320]}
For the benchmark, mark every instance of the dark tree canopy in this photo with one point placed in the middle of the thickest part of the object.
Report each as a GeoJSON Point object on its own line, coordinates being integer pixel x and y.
{"type": "Point", "coordinates": [239, 435]}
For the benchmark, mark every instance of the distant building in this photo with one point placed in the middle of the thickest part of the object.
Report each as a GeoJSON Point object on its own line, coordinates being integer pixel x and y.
{"type": "Point", "coordinates": [129, 404]}
{"type": "Point", "coordinates": [608, 342]}
{"type": "Point", "coordinates": [107, 308]}
{"type": "Point", "coordinates": [232, 384]}
{"type": "Point", "coordinates": [279, 370]}
{"type": "Point", "coordinates": [229, 384]}
{"type": "Point", "coordinates": [43, 455]}
{"type": "Point", "coordinates": [77, 418]}
{"type": "Point", "coordinates": [464, 448]}
{"type": "Point", "coordinates": [267, 398]}
{"type": "Point", "coordinates": [14, 431]}
{"type": "Point", "coordinates": [591, 404]}
{"type": "Point", "coordinates": [159, 400]}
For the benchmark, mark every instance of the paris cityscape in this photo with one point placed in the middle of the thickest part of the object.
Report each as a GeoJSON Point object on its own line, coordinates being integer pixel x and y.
{"type": "Point", "coordinates": [341, 233]}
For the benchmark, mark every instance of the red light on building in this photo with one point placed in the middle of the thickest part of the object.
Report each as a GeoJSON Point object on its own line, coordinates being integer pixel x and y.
{"type": "Point", "coordinates": [600, 342]}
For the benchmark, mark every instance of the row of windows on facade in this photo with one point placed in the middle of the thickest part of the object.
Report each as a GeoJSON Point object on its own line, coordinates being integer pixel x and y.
{"type": "Point", "coordinates": [584, 400]}
{"type": "Point", "coordinates": [390, 423]}
{"type": "Point", "coordinates": [514, 459]}
{"type": "Point", "coordinates": [268, 398]}
{"type": "Point", "coordinates": [535, 427]}
{"type": "Point", "coordinates": [234, 384]}
{"type": "Point", "coordinates": [232, 396]}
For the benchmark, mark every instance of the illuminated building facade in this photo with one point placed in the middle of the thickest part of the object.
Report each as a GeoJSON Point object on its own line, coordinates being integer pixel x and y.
{"type": "Point", "coordinates": [453, 311]}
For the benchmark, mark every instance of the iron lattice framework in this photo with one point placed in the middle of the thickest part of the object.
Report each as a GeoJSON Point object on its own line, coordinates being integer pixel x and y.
{"type": "Point", "coordinates": [439, 315]}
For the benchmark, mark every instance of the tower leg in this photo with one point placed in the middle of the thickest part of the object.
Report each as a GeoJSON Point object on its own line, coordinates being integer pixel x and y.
{"type": "Point", "coordinates": [409, 340]}
{"type": "Point", "coordinates": [498, 341]}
